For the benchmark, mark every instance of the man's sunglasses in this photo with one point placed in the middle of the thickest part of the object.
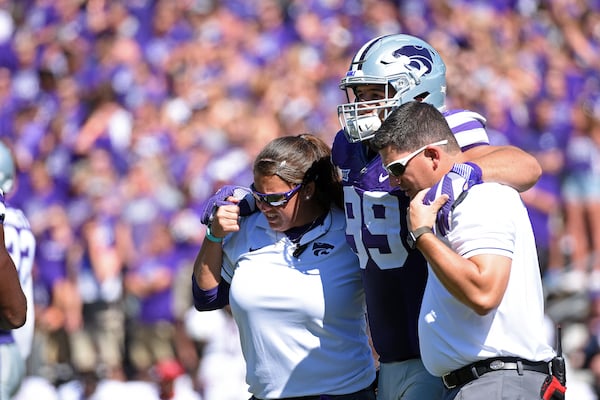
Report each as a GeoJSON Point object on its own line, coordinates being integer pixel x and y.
{"type": "Point", "coordinates": [397, 168]}
{"type": "Point", "coordinates": [274, 199]}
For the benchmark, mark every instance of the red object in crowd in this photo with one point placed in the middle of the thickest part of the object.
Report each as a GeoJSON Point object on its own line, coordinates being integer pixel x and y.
{"type": "Point", "coordinates": [168, 370]}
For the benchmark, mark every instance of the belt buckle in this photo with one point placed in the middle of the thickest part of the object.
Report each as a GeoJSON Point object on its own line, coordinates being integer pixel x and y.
{"type": "Point", "coordinates": [448, 386]}
{"type": "Point", "coordinates": [496, 365]}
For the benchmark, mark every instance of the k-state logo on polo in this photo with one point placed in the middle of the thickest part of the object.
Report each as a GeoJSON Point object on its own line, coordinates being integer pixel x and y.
{"type": "Point", "coordinates": [320, 249]}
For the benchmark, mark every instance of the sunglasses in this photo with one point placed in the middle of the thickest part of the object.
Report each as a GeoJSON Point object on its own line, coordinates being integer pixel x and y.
{"type": "Point", "coordinates": [397, 168]}
{"type": "Point", "coordinates": [274, 199]}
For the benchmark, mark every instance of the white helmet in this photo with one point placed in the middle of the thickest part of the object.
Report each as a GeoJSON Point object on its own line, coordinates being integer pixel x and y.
{"type": "Point", "coordinates": [404, 63]}
{"type": "Point", "coordinates": [7, 169]}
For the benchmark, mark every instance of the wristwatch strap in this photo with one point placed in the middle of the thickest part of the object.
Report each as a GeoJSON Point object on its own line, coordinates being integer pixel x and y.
{"type": "Point", "coordinates": [417, 233]}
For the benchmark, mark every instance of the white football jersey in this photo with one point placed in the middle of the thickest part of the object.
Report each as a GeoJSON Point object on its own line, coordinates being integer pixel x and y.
{"type": "Point", "coordinates": [20, 243]}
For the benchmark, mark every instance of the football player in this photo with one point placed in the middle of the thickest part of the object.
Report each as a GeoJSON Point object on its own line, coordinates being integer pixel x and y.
{"type": "Point", "coordinates": [386, 72]}
{"type": "Point", "coordinates": [15, 345]}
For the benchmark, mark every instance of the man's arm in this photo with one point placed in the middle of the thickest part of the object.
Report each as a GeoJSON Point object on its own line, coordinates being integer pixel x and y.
{"type": "Point", "coordinates": [508, 165]}
{"type": "Point", "coordinates": [13, 304]}
{"type": "Point", "coordinates": [478, 282]}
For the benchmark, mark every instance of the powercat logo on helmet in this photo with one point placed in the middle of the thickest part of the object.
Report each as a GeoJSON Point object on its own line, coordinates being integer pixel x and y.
{"type": "Point", "coordinates": [418, 58]}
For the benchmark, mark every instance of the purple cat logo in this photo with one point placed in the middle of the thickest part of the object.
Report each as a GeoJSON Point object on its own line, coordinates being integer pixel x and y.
{"type": "Point", "coordinates": [320, 248]}
{"type": "Point", "coordinates": [417, 58]}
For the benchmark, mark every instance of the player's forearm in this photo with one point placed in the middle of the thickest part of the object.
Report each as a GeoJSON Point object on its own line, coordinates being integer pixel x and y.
{"type": "Point", "coordinates": [508, 165]}
{"type": "Point", "coordinates": [13, 304]}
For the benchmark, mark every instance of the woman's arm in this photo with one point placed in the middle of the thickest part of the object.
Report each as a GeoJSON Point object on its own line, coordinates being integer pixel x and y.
{"type": "Point", "coordinates": [208, 289]}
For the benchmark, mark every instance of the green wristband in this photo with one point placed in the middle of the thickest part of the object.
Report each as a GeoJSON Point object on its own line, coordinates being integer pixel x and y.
{"type": "Point", "coordinates": [212, 238]}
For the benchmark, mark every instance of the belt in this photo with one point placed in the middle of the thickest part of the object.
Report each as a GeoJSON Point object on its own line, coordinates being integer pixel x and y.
{"type": "Point", "coordinates": [473, 371]}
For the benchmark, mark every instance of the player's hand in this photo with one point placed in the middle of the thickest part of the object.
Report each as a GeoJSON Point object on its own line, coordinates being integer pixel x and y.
{"type": "Point", "coordinates": [455, 185]}
{"type": "Point", "coordinates": [238, 196]}
{"type": "Point", "coordinates": [470, 172]}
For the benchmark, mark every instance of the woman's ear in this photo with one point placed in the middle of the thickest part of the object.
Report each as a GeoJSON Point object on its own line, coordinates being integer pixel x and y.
{"type": "Point", "coordinates": [308, 190]}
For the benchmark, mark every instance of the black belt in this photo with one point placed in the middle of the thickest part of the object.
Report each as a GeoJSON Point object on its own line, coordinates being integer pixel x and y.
{"type": "Point", "coordinates": [473, 371]}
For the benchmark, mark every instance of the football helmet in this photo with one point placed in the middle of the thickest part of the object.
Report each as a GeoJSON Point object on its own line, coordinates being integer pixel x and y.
{"type": "Point", "coordinates": [7, 169]}
{"type": "Point", "coordinates": [406, 67]}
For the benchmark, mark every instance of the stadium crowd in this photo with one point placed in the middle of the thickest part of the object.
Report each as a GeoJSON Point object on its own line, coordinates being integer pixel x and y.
{"type": "Point", "coordinates": [125, 116]}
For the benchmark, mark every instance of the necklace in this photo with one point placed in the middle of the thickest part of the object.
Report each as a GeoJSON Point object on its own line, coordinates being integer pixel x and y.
{"type": "Point", "coordinates": [297, 233]}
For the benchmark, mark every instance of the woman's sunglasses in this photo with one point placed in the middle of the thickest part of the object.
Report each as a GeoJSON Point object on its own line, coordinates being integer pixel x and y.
{"type": "Point", "coordinates": [274, 199]}
{"type": "Point", "coordinates": [397, 168]}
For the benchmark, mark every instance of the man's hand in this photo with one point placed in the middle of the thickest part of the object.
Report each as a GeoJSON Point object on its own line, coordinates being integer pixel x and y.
{"type": "Point", "coordinates": [454, 185]}
{"type": "Point", "coordinates": [421, 213]}
{"type": "Point", "coordinates": [229, 195]}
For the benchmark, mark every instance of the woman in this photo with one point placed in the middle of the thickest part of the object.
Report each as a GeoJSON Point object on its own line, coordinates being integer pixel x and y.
{"type": "Point", "coordinates": [292, 281]}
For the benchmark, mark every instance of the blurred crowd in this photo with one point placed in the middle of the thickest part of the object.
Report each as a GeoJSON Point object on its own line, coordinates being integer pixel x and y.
{"type": "Point", "coordinates": [124, 116]}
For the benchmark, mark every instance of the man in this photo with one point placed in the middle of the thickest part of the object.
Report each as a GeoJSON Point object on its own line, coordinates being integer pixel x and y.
{"type": "Point", "coordinates": [386, 72]}
{"type": "Point", "coordinates": [481, 324]}
{"type": "Point", "coordinates": [15, 345]}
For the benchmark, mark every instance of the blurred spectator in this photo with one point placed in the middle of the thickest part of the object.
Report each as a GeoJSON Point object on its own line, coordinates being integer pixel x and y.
{"type": "Point", "coordinates": [108, 126]}
{"type": "Point", "coordinates": [98, 345]}
{"type": "Point", "coordinates": [170, 377]}
{"type": "Point", "coordinates": [177, 96]}
{"type": "Point", "coordinates": [221, 372]}
{"type": "Point", "coordinates": [545, 140]}
{"type": "Point", "coordinates": [581, 192]}
{"type": "Point", "coordinates": [58, 305]}
{"type": "Point", "coordinates": [151, 282]}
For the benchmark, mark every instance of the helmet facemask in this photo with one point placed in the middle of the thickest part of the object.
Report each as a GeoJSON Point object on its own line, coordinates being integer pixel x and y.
{"type": "Point", "coordinates": [361, 118]}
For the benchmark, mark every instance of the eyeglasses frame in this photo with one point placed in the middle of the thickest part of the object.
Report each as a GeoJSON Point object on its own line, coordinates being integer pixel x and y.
{"type": "Point", "coordinates": [261, 197]}
{"type": "Point", "coordinates": [405, 160]}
